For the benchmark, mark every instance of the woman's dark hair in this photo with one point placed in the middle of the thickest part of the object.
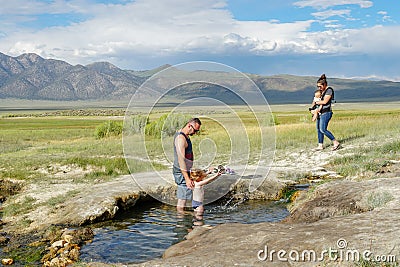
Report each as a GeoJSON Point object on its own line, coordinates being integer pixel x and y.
{"type": "Point", "coordinates": [322, 79]}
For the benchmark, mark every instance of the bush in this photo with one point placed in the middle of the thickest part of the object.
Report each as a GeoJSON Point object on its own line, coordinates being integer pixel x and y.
{"type": "Point", "coordinates": [166, 125]}
{"type": "Point", "coordinates": [109, 128]}
{"type": "Point", "coordinates": [174, 122]}
{"type": "Point", "coordinates": [139, 123]}
{"type": "Point", "coordinates": [379, 199]}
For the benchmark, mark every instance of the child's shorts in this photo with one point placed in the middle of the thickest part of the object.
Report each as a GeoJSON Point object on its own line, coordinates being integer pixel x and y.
{"type": "Point", "coordinates": [196, 204]}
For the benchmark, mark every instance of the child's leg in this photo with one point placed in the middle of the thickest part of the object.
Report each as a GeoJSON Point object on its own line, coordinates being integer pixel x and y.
{"type": "Point", "coordinates": [199, 210]}
{"type": "Point", "coordinates": [315, 115]}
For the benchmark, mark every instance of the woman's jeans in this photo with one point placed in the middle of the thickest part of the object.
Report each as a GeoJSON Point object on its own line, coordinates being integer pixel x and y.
{"type": "Point", "coordinates": [322, 127]}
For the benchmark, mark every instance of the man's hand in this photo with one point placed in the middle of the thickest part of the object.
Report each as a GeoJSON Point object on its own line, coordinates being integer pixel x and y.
{"type": "Point", "coordinates": [189, 183]}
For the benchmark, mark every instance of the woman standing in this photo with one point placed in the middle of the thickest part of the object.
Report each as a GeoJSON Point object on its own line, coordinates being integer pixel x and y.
{"type": "Point", "coordinates": [325, 114]}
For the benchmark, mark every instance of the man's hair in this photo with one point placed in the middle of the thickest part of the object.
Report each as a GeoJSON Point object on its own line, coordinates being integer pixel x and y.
{"type": "Point", "coordinates": [195, 120]}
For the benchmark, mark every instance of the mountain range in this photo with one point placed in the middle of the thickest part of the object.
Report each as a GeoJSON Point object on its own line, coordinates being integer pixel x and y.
{"type": "Point", "coordinates": [30, 76]}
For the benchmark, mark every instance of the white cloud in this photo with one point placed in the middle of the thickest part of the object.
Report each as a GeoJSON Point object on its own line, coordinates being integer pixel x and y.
{"type": "Point", "coordinates": [385, 16]}
{"type": "Point", "coordinates": [318, 4]}
{"type": "Point", "coordinates": [374, 77]}
{"type": "Point", "coordinates": [331, 13]}
{"type": "Point", "coordinates": [32, 7]}
{"type": "Point", "coordinates": [333, 25]}
{"type": "Point", "coordinates": [144, 26]}
{"type": "Point", "coordinates": [16, 13]}
{"type": "Point", "coordinates": [377, 40]}
{"type": "Point", "coordinates": [151, 29]}
{"type": "Point", "coordinates": [154, 27]}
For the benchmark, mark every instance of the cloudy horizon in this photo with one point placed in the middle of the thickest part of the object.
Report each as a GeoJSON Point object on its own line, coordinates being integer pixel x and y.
{"type": "Point", "coordinates": [345, 39]}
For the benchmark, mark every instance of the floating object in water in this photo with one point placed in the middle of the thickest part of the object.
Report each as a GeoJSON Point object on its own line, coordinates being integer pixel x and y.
{"type": "Point", "coordinates": [229, 170]}
{"type": "Point", "coordinates": [220, 169]}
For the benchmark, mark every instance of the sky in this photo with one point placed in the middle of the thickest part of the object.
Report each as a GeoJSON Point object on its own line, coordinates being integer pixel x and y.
{"type": "Point", "coordinates": [343, 38]}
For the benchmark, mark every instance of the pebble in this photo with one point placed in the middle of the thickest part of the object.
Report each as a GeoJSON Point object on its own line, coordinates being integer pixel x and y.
{"type": "Point", "coordinates": [7, 261]}
{"type": "Point", "coordinates": [58, 244]}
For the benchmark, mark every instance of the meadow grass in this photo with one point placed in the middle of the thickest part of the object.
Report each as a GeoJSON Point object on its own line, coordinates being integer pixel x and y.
{"type": "Point", "coordinates": [30, 145]}
{"type": "Point", "coordinates": [19, 208]}
{"type": "Point", "coordinates": [293, 131]}
{"type": "Point", "coordinates": [367, 161]}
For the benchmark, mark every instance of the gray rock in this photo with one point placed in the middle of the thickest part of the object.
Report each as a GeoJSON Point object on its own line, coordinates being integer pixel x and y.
{"type": "Point", "coordinates": [103, 201]}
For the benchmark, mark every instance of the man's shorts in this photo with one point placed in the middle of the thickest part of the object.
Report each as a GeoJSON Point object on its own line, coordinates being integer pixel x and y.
{"type": "Point", "coordinates": [182, 192]}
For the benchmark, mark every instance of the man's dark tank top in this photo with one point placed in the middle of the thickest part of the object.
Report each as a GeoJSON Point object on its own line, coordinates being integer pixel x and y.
{"type": "Point", "coordinates": [188, 154]}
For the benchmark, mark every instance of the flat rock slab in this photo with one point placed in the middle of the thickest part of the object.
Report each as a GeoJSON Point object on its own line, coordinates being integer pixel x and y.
{"type": "Point", "coordinates": [99, 202]}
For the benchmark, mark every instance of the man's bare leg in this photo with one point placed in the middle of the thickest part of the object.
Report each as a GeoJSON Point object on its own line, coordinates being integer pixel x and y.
{"type": "Point", "coordinates": [180, 206]}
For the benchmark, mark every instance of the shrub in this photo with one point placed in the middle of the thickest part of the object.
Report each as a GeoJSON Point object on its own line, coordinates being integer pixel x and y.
{"type": "Point", "coordinates": [109, 128]}
{"type": "Point", "coordinates": [166, 125]}
{"type": "Point", "coordinates": [174, 122]}
{"type": "Point", "coordinates": [154, 128]}
{"type": "Point", "coordinates": [379, 199]}
{"type": "Point", "coordinates": [139, 123]}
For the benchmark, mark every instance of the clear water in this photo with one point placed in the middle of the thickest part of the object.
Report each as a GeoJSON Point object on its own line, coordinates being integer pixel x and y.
{"type": "Point", "coordinates": [147, 231]}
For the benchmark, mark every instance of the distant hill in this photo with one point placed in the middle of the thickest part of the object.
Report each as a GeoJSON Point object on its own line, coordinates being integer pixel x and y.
{"type": "Point", "coordinates": [30, 76]}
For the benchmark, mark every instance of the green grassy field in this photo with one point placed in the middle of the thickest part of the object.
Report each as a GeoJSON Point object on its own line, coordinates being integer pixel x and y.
{"type": "Point", "coordinates": [31, 148]}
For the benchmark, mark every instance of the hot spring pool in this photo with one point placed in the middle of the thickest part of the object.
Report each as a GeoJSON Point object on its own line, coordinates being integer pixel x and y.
{"type": "Point", "coordinates": [145, 232]}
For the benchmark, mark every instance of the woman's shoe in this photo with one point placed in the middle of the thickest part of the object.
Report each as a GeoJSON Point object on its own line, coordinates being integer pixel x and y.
{"type": "Point", "coordinates": [336, 147]}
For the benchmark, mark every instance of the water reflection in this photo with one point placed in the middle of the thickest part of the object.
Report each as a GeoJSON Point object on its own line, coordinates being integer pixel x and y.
{"type": "Point", "coordinates": [145, 232]}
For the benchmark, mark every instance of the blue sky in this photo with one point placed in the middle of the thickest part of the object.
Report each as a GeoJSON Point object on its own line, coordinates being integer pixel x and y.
{"type": "Point", "coordinates": [344, 38]}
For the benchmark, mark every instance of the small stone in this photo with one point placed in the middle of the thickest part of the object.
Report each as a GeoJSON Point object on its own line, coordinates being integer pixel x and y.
{"type": "Point", "coordinates": [37, 243]}
{"type": "Point", "coordinates": [294, 196]}
{"type": "Point", "coordinates": [74, 254]}
{"type": "Point", "coordinates": [55, 262]}
{"type": "Point", "coordinates": [7, 261]}
{"type": "Point", "coordinates": [68, 238]}
{"type": "Point", "coordinates": [4, 240]}
{"type": "Point", "coordinates": [52, 254]}
{"type": "Point", "coordinates": [59, 243]}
